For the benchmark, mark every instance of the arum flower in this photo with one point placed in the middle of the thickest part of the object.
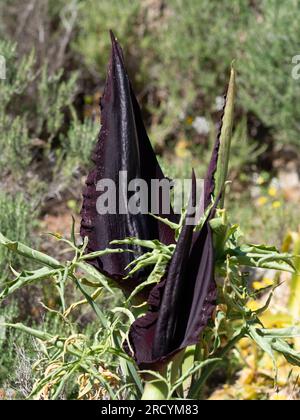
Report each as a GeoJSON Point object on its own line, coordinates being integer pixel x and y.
{"type": "Point", "coordinates": [123, 145]}
{"type": "Point", "coordinates": [181, 305]}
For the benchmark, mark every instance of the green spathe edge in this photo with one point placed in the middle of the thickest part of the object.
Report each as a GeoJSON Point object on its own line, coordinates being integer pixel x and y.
{"type": "Point", "coordinates": [225, 137]}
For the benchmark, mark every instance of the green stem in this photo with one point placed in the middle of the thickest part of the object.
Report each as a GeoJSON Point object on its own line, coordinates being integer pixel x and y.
{"type": "Point", "coordinates": [188, 361]}
{"type": "Point", "coordinates": [155, 390]}
{"type": "Point", "coordinates": [176, 366]}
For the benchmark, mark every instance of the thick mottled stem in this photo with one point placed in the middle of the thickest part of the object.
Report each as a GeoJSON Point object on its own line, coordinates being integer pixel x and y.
{"type": "Point", "coordinates": [225, 138]}
{"type": "Point", "coordinates": [155, 391]}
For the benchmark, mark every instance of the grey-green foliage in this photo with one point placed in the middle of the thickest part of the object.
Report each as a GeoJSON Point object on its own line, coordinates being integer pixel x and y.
{"type": "Point", "coordinates": [244, 154]}
{"type": "Point", "coordinates": [7, 342]}
{"type": "Point", "coordinates": [54, 96]}
{"type": "Point", "coordinates": [176, 54]}
{"type": "Point", "coordinates": [19, 352]}
{"type": "Point", "coordinates": [199, 41]}
{"type": "Point", "coordinates": [244, 151]}
{"type": "Point", "coordinates": [77, 146]}
{"type": "Point", "coordinates": [19, 73]}
{"type": "Point", "coordinates": [180, 54]}
{"type": "Point", "coordinates": [32, 107]}
{"type": "Point", "coordinates": [96, 19]}
{"type": "Point", "coordinates": [16, 220]}
{"type": "Point", "coordinates": [267, 86]}
{"type": "Point", "coordinates": [14, 137]}
{"type": "Point", "coordinates": [195, 48]}
{"type": "Point", "coordinates": [15, 145]}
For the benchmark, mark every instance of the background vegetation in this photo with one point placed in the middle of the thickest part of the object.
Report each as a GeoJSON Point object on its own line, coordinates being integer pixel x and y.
{"type": "Point", "coordinates": [178, 54]}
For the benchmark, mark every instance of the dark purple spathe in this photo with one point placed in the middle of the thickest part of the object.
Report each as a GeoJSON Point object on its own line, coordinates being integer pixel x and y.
{"type": "Point", "coordinates": [123, 145]}
{"type": "Point", "coordinates": [180, 306]}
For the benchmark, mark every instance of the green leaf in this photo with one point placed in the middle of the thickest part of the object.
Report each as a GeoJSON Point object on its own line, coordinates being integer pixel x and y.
{"type": "Point", "coordinates": [167, 222]}
{"type": "Point", "coordinates": [155, 244]}
{"type": "Point", "coordinates": [41, 335]}
{"type": "Point", "coordinates": [25, 279]}
{"type": "Point", "coordinates": [263, 342]}
{"type": "Point", "coordinates": [28, 252]}
{"type": "Point", "coordinates": [106, 251]}
{"type": "Point", "coordinates": [90, 270]}
{"type": "Point", "coordinates": [289, 332]}
{"type": "Point", "coordinates": [154, 277]}
{"type": "Point", "coordinates": [197, 366]}
{"type": "Point", "coordinates": [90, 300]}
{"type": "Point", "coordinates": [287, 351]}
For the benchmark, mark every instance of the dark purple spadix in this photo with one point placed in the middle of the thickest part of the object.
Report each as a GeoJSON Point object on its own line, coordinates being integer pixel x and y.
{"type": "Point", "coordinates": [123, 145]}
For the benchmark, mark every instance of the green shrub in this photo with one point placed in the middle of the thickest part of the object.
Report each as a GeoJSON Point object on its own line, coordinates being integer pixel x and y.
{"type": "Point", "coordinates": [96, 19]}
{"type": "Point", "coordinates": [267, 86]}
{"type": "Point", "coordinates": [17, 220]}
{"type": "Point", "coordinates": [194, 50]}
{"type": "Point", "coordinates": [31, 112]}
{"type": "Point", "coordinates": [77, 146]}
{"type": "Point", "coordinates": [176, 52]}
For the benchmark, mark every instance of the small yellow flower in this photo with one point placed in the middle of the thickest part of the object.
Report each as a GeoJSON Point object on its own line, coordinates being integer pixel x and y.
{"type": "Point", "coordinates": [189, 120]}
{"type": "Point", "coordinates": [267, 281]}
{"type": "Point", "coordinates": [258, 285]}
{"type": "Point", "coordinates": [276, 204]}
{"type": "Point", "coordinates": [261, 201]}
{"type": "Point", "coordinates": [272, 191]}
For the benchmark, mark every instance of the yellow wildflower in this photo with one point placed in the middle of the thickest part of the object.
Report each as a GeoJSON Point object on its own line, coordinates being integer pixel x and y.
{"type": "Point", "coordinates": [272, 191]}
{"type": "Point", "coordinates": [265, 282]}
{"type": "Point", "coordinates": [258, 285]}
{"type": "Point", "coordinates": [261, 201]}
{"type": "Point", "coordinates": [276, 204]}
